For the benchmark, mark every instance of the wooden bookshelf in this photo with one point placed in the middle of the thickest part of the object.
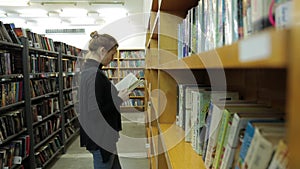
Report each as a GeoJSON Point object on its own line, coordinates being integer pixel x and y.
{"type": "Point", "coordinates": [264, 67]}
{"type": "Point", "coordinates": [180, 153]}
{"type": "Point", "coordinates": [229, 56]}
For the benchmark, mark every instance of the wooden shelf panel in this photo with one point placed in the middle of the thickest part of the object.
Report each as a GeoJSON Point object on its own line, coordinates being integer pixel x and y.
{"type": "Point", "coordinates": [231, 56]}
{"type": "Point", "coordinates": [180, 153]}
{"type": "Point", "coordinates": [178, 8]}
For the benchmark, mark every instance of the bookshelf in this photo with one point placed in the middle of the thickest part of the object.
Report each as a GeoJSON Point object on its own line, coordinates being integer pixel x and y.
{"type": "Point", "coordinates": [271, 79]}
{"type": "Point", "coordinates": [129, 61]}
{"type": "Point", "coordinates": [36, 84]}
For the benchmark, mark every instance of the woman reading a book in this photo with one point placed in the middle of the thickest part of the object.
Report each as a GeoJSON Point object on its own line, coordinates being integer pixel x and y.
{"type": "Point", "coordinates": [99, 103]}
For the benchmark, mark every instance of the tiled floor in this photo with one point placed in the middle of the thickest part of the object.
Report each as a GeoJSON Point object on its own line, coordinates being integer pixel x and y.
{"type": "Point", "coordinates": [131, 147]}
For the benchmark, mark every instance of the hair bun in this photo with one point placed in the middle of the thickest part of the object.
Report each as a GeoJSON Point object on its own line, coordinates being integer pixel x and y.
{"type": "Point", "coordinates": [94, 34]}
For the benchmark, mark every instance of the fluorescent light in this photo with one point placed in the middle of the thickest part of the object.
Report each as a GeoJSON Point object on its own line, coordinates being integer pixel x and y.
{"type": "Point", "coordinates": [92, 14]}
{"type": "Point", "coordinates": [33, 13]}
{"type": "Point", "coordinates": [51, 14]}
{"type": "Point", "coordinates": [17, 21]}
{"type": "Point", "coordinates": [73, 12]}
{"type": "Point", "coordinates": [82, 21]}
{"type": "Point", "coordinates": [48, 21]}
{"type": "Point", "coordinates": [14, 2]}
{"type": "Point", "coordinates": [2, 14]}
{"type": "Point", "coordinates": [112, 11]}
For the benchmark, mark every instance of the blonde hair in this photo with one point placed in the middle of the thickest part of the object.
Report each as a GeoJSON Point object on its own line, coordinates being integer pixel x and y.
{"type": "Point", "coordinates": [102, 40]}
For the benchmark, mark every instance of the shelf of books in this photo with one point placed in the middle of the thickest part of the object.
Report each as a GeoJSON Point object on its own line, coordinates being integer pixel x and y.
{"type": "Point", "coordinates": [36, 76]}
{"type": "Point", "coordinates": [132, 61]}
{"type": "Point", "coordinates": [222, 98]}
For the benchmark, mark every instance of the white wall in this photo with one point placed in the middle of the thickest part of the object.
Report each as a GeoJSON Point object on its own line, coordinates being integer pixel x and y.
{"type": "Point", "coordinates": [129, 31]}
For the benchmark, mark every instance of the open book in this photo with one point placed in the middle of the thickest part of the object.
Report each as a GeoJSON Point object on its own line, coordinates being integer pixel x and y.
{"type": "Point", "coordinates": [130, 82]}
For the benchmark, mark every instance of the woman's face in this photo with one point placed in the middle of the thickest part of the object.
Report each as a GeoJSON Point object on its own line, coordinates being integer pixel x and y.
{"type": "Point", "coordinates": [109, 56]}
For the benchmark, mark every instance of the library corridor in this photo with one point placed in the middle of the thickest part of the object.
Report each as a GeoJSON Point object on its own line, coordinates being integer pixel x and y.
{"type": "Point", "coordinates": [132, 156]}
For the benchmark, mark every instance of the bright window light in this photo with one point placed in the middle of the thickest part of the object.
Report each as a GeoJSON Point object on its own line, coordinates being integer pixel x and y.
{"type": "Point", "coordinates": [73, 12]}
{"type": "Point", "coordinates": [14, 2]}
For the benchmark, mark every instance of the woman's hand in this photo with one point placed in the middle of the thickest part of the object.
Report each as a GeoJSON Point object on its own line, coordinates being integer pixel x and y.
{"type": "Point", "coordinates": [124, 94]}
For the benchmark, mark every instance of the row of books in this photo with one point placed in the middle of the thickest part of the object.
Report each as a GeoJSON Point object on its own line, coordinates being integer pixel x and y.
{"type": "Point", "coordinates": [11, 92]}
{"type": "Point", "coordinates": [68, 49]}
{"type": "Point", "coordinates": [12, 122]}
{"type": "Point", "coordinates": [215, 23]}
{"type": "Point", "coordinates": [43, 86]}
{"type": "Point", "coordinates": [69, 115]}
{"type": "Point", "coordinates": [68, 82]}
{"type": "Point", "coordinates": [68, 98]}
{"type": "Point", "coordinates": [44, 108]}
{"type": "Point", "coordinates": [42, 131]}
{"type": "Point", "coordinates": [71, 129]}
{"type": "Point", "coordinates": [10, 63]}
{"type": "Point", "coordinates": [132, 63]}
{"type": "Point", "coordinates": [216, 124]}
{"type": "Point", "coordinates": [113, 64]}
{"type": "Point", "coordinates": [132, 54]}
{"type": "Point", "coordinates": [110, 73]}
{"type": "Point", "coordinates": [133, 102]}
{"type": "Point", "coordinates": [137, 73]}
{"type": "Point", "coordinates": [68, 65]}
{"type": "Point", "coordinates": [14, 153]}
{"type": "Point", "coordinates": [137, 93]}
{"type": "Point", "coordinates": [42, 63]}
{"type": "Point", "coordinates": [45, 153]}
{"type": "Point", "coordinates": [10, 33]}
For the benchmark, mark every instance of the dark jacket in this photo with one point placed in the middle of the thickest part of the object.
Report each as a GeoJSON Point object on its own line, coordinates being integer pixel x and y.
{"type": "Point", "coordinates": [99, 110]}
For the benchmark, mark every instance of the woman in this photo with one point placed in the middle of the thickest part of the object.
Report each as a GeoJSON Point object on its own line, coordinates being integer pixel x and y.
{"type": "Point", "coordinates": [99, 103]}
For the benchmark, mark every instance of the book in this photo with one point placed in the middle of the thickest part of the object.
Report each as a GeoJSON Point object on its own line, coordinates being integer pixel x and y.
{"type": "Point", "coordinates": [280, 158]}
{"type": "Point", "coordinates": [262, 146]}
{"type": "Point", "coordinates": [129, 82]}
{"type": "Point", "coordinates": [237, 131]}
{"type": "Point", "coordinates": [249, 133]}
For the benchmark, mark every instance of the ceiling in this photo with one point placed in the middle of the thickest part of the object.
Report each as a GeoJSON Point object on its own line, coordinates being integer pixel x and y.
{"type": "Point", "coordinates": [50, 12]}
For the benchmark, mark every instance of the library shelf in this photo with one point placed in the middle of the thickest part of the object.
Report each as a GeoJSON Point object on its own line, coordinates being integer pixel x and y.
{"type": "Point", "coordinates": [237, 55]}
{"type": "Point", "coordinates": [180, 153]}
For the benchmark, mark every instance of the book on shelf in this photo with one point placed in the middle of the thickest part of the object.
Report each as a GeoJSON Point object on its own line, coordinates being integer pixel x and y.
{"type": "Point", "coordinates": [237, 129]}
{"type": "Point", "coordinates": [129, 82]}
{"type": "Point", "coordinates": [262, 146]}
{"type": "Point", "coordinates": [266, 125]}
{"type": "Point", "coordinates": [280, 158]}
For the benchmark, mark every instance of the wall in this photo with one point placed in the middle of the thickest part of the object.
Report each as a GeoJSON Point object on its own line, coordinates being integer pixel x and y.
{"type": "Point", "coordinates": [129, 31]}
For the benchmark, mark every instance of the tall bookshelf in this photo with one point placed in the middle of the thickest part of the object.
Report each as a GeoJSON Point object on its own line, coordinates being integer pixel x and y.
{"type": "Point", "coordinates": [35, 85]}
{"type": "Point", "coordinates": [129, 61]}
{"type": "Point", "coordinates": [272, 80]}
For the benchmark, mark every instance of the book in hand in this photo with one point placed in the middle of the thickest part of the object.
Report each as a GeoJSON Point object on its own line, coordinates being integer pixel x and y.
{"type": "Point", "coordinates": [129, 82]}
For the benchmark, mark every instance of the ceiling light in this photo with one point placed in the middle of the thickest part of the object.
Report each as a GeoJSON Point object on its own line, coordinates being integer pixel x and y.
{"type": "Point", "coordinates": [53, 14]}
{"type": "Point", "coordinates": [92, 14]}
{"type": "Point", "coordinates": [112, 11]}
{"type": "Point", "coordinates": [9, 14]}
{"type": "Point", "coordinates": [73, 12]}
{"type": "Point", "coordinates": [2, 14]}
{"type": "Point", "coordinates": [107, 2]}
{"type": "Point", "coordinates": [32, 13]}
{"type": "Point", "coordinates": [82, 21]}
{"type": "Point", "coordinates": [14, 3]}
{"type": "Point", "coordinates": [48, 21]}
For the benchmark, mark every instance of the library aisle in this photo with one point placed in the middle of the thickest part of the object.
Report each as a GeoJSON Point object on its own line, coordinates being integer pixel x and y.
{"type": "Point", "coordinates": [132, 156]}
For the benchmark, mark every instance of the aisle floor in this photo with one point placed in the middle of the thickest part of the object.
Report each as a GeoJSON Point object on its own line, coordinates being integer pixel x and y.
{"type": "Point", "coordinates": [131, 146]}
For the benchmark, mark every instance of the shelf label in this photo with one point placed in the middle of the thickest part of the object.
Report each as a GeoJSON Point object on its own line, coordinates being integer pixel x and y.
{"type": "Point", "coordinates": [255, 48]}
